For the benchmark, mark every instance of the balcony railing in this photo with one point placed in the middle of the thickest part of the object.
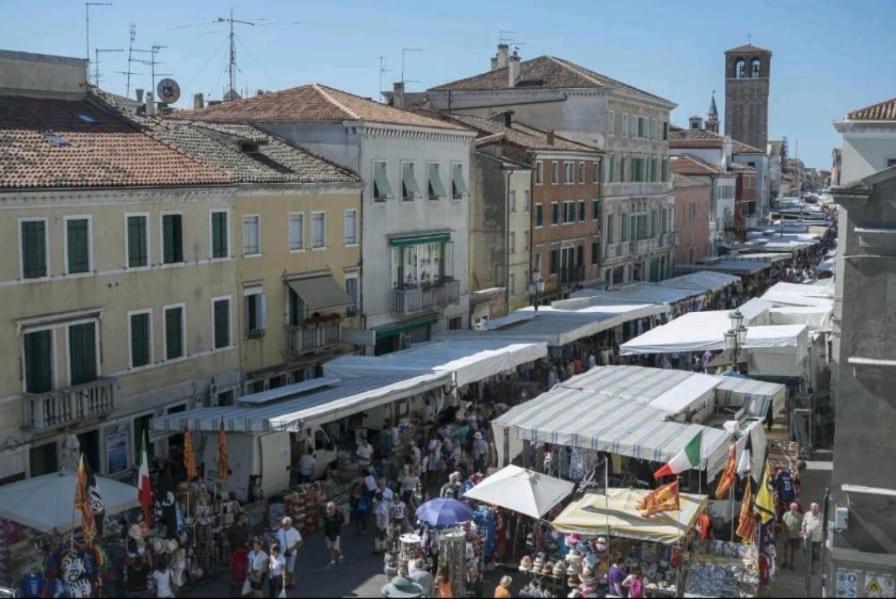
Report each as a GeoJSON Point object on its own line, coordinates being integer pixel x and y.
{"type": "Point", "coordinates": [572, 274]}
{"type": "Point", "coordinates": [71, 405]}
{"type": "Point", "coordinates": [415, 299]}
{"type": "Point", "coordinates": [309, 337]}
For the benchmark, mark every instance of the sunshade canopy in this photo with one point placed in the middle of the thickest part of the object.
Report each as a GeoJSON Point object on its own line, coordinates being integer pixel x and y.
{"type": "Point", "coordinates": [669, 291]}
{"type": "Point", "coordinates": [615, 515]}
{"type": "Point", "coordinates": [319, 293]}
{"type": "Point", "coordinates": [45, 502]}
{"type": "Point", "coordinates": [521, 490]}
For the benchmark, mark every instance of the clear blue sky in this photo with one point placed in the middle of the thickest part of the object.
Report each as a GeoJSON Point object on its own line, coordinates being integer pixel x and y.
{"type": "Point", "coordinates": [830, 56]}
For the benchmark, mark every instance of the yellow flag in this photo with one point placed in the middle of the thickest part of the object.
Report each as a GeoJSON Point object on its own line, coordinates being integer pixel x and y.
{"type": "Point", "coordinates": [765, 499]}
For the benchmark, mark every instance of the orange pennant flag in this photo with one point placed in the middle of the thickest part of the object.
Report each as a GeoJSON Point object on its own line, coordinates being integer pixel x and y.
{"type": "Point", "coordinates": [189, 456]}
{"type": "Point", "coordinates": [223, 458]}
{"type": "Point", "coordinates": [746, 524]}
{"type": "Point", "coordinates": [729, 474]}
{"type": "Point", "coordinates": [661, 499]}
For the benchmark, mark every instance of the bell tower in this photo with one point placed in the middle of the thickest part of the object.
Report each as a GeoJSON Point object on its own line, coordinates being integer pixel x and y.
{"type": "Point", "coordinates": [712, 117]}
{"type": "Point", "coordinates": [747, 73]}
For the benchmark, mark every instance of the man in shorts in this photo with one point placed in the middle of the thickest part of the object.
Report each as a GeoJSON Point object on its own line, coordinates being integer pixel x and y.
{"type": "Point", "coordinates": [793, 526]}
{"type": "Point", "coordinates": [290, 539]}
{"type": "Point", "coordinates": [333, 521]}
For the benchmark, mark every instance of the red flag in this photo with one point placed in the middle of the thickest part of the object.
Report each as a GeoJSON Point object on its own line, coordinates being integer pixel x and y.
{"type": "Point", "coordinates": [746, 524]}
{"type": "Point", "coordinates": [728, 474]}
{"type": "Point", "coordinates": [189, 456]}
{"type": "Point", "coordinates": [84, 505]}
{"type": "Point", "coordinates": [223, 458]}
{"type": "Point", "coordinates": [144, 486]}
{"type": "Point", "coordinates": [661, 499]}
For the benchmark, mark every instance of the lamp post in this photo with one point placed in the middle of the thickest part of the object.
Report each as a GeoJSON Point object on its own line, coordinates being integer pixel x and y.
{"type": "Point", "coordinates": [535, 288]}
{"type": "Point", "coordinates": [736, 336]}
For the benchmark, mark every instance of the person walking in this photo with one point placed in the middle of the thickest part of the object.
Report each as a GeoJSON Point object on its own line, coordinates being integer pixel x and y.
{"type": "Point", "coordinates": [290, 540]}
{"type": "Point", "coordinates": [793, 529]}
{"type": "Point", "coordinates": [162, 579]}
{"type": "Point", "coordinates": [364, 454]}
{"type": "Point", "coordinates": [443, 584]}
{"type": "Point", "coordinates": [276, 571]}
{"type": "Point", "coordinates": [333, 520]}
{"type": "Point", "coordinates": [136, 576]}
{"type": "Point", "coordinates": [634, 582]}
{"type": "Point", "coordinates": [480, 451]}
{"type": "Point", "coordinates": [360, 505]}
{"type": "Point", "coordinates": [502, 591]}
{"type": "Point", "coordinates": [811, 533]}
{"type": "Point", "coordinates": [258, 568]}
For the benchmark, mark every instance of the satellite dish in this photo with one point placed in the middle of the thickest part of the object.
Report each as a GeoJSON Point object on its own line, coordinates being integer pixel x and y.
{"type": "Point", "coordinates": [168, 90]}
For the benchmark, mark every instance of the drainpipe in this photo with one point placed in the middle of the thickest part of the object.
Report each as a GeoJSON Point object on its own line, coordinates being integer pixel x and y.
{"type": "Point", "coordinates": [507, 176]}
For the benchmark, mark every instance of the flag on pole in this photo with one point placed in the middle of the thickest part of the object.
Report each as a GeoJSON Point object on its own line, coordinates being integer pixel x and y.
{"type": "Point", "coordinates": [686, 459]}
{"type": "Point", "coordinates": [765, 499]}
{"type": "Point", "coordinates": [745, 464]}
{"type": "Point", "coordinates": [728, 474]}
{"type": "Point", "coordinates": [144, 485]}
{"type": "Point", "coordinates": [661, 499]}
{"type": "Point", "coordinates": [83, 503]}
{"type": "Point", "coordinates": [746, 523]}
{"type": "Point", "coordinates": [223, 459]}
{"type": "Point", "coordinates": [189, 456]}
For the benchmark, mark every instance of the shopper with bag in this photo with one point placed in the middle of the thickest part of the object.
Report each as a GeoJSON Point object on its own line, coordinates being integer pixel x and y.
{"type": "Point", "coordinates": [290, 540]}
{"type": "Point", "coordinates": [333, 520]}
{"type": "Point", "coordinates": [277, 572]}
{"type": "Point", "coordinates": [258, 568]}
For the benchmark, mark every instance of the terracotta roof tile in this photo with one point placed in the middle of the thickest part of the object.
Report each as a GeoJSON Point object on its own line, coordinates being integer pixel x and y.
{"type": "Point", "coordinates": [312, 102]}
{"type": "Point", "coordinates": [47, 143]}
{"type": "Point", "coordinates": [747, 48]}
{"type": "Point", "coordinates": [680, 137]}
{"type": "Point", "coordinates": [688, 164]}
{"type": "Point", "coordinates": [683, 181]}
{"type": "Point", "coordinates": [546, 72]}
{"type": "Point", "coordinates": [882, 111]}
{"type": "Point", "coordinates": [519, 134]}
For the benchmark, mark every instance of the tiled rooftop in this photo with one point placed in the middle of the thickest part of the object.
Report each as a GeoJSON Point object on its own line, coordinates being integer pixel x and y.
{"type": "Point", "coordinates": [882, 111]}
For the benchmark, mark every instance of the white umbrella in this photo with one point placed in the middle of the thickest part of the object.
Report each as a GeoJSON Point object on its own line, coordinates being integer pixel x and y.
{"type": "Point", "coordinates": [46, 502]}
{"type": "Point", "coordinates": [521, 490]}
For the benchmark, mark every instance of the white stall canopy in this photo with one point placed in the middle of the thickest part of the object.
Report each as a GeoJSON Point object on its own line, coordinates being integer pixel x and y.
{"type": "Point", "coordinates": [668, 291]}
{"type": "Point", "coordinates": [521, 490]}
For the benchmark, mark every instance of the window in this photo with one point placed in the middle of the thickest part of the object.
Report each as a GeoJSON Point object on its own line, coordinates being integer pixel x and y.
{"type": "Point", "coordinates": [221, 321]}
{"type": "Point", "coordinates": [555, 262]}
{"type": "Point", "coordinates": [665, 170]}
{"type": "Point", "coordinates": [296, 232]}
{"type": "Point", "coordinates": [594, 252]}
{"type": "Point", "coordinates": [38, 360]}
{"type": "Point", "coordinates": [665, 130]}
{"type": "Point", "coordinates": [172, 238]}
{"type": "Point", "coordinates": [539, 172]}
{"type": "Point", "coordinates": [536, 259]}
{"type": "Point", "coordinates": [511, 242]}
{"type": "Point", "coordinates": [611, 168]}
{"type": "Point", "coordinates": [642, 127]}
{"type": "Point", "coordinates": [82, 354]}
{"type": "Point", "coordinates": [512, 200]}
{"type": "Point", "coordinates": [526, 240]}
{"type": "Point", "coordinates": [568, 175]}
{"type": "Point", "coordinates": [409, 188]}
{"type": "Point", "coordinates": [256, 312]}
{"type": "Point", "coordinates": [609, 232]}
{"type": "Point", "coordinates": [555, 213]}
{"type": "Point", "coordinates": [435, 188]}
{"type": "Point", "coordinates": [251, 235]}
{"type": "Point", "coordinates": [581, 172]}
{"type": "Point", "coordinates": [624, 125]}
{"type": "Point", "coordinates": [653, 129]}
{"type": "Point", "coordinates": [137, 240]}
{"type": "Point", "coordinates": [595, 209]}
{"type": "Point", "coordinates": [624, 235]}
{"type": "Point", "coordinates": [555, 172]}
{"type": "Point", "coordinates": [581, 211]}
{"type": "Point", "coordinates": [754, 68]}
{"type": "Point", "coordinates": [382, 191]}
{"type": "Point", "coordinates": [352, 291]}
{"type": "Point", "coordinates": [539, 215]}
{"type": "Point", "coordinates": [595, 172]}
{"type": "Point", "coordinates": [623, 175]}
{"type": "Point", "coordinates": [220, 244]}
{"type": "Point", "coordinates": [140, 337]}
{"type": "Point", "coordinates": [611, 123]}
{"type": "Point", "coordinates": [350, 227]}
{"type": "Point", "coordinates": [739, 68]}
{"type": "Point", "coordinates": [77, 244]}
{"type": "Point", "coordinates": [569, 212]}
{"type": "Point", "coordinates": [458, 184]}
{"type": "Point", "coordinates": [511, 283]}
{"type": "Point", "coordinates": [525, 200]}
{"type": "Point", "coordinates": [34, 247]}
{"type": "Point", "coordinates": [318, 230]}
{"type": "Point", "coordinates": [174, 332]}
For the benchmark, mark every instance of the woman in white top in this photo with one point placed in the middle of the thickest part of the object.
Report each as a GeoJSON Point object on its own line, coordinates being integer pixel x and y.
{"type": "Point", "coordinates": [277, 570]}
{"type": "Point", "coordinates": [258, 568]}
{"type": "Point", "coordinates": [161, 579]}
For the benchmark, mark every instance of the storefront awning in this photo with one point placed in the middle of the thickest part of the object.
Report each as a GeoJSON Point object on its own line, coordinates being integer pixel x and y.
{"type": "Point", "coordinates": [319, 293]}
{"type": "Point", "coordinates": [419, 238]}
{"type": "Point", "coordinates": [390, 330]}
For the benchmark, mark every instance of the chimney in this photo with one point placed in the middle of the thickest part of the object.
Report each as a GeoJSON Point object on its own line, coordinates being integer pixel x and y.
{"type": "Point", "coordinates": [550, 138]}
{"type": "Point", "coordinates": [139, 95]}
{"type": "Point", "coordinates": [501, 58]}
{"type": "Point", "coordinates": [398, 94]}
{"type": "Point", "coordinates": [150, 105]}
{"type": "Point", "coordinates": [513, 70]}
{"type": "Point", "coordinates": [198, 101]}
{"type": "Point", "coordinates": [259, 92]}
{"type": "Point", "coordinates": [726, 149]}
{"type": "Point", "coordinates": [494, 62]}
{"type": "Point", "coordinates": [696, 122]}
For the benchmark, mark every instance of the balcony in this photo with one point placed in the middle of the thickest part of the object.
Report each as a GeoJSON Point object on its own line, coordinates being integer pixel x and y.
{"type": "Point", "coordinates": [571, 274]}
{"type": "Point", "coordinates": [71, 405]}
{"type": "Point", "coordinates": [410, 300]}
{"type": "Point", "coordinates": [645, 246]}
{"type": "Point", "coordinates": [312, 337]}
{"type": "Point", "coordinates": [636, 189]}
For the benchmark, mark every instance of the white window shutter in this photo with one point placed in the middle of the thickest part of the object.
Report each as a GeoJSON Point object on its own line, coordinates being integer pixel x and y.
{"type": "Point", "coordinates": [263, 320]}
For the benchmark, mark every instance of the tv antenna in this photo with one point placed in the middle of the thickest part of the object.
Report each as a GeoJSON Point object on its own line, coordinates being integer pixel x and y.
{"type": "Point", "coordinates": [505, 36]}
{"type": "Point", "coordinates": [404, 51]}
{"type": "Point", "coordinates": [383, 71]}
{"type": "Point", "coordinates": [87, 6]}
{"type": "Point", "coordinates": [152, 62]}
{"type": "Point", "coordinates": [96, 64]}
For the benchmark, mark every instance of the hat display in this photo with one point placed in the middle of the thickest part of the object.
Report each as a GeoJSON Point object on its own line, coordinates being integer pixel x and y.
{"type": "Point", "coordinates": [171, 546]}
{"type": "Point", "coordinates": [573, 539]}
{"type": "Point", "coordinates": [538, 564]}
{"type": "Point", "coordinates": [559, 569]}
{"type": "Point", "coordinates": [477, 435]}
{"type": "Point", "coordinates": [157, 545]}
{"type": "Point", "coordinates": [525, 564]}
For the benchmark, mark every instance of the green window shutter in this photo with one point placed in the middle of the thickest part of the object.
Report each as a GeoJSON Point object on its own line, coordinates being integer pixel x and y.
{"type": "Point", "coordinates": [34, 249]}
{"type": "Point", "coordinates": [174, 343]}
{"type": "Point", "coordinates": [137, 242]}
{"type": "Point", "coordinates": [39, 361]}
{"type": "Point", "coordinates": [140, 340]}
{"type": "Point", "coordinates": [222, 323]}
{"type": "Point", "coordinates": [82, 353]}
{"type": "Point", "coordinates": [78, 246]}
{"type": "Point", "coordinates": [219, 235]}
{"type": "Point", "coordinates": [173, 238]}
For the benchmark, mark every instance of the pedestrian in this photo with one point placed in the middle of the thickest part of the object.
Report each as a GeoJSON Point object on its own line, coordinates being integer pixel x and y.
{"type": "Point", "coordinates": [333, 520]}
{"type": "Point", "coordinates": [136, 576]}
{"type": "Point", "coordinates": [409, 483]}
{"type": "Point", "coordinates": [811, 533]}
{"type": "Point", "coordinates": [443, 584]}
{"type": "Point", "coordinates": [359, 504]}
{"type": "Point", "coordinates": [785, 487]}
{"type": "Point", "coordinates": [480, 451]}
{"type": "Point", "coordinates": [502, 591]}
{"type": "Point", "coordinates": [258, 568]}
{"type": "Point", "coordinates": [276, 570]}
{"type": "Point", "coordinates": [364, 454]}
{"type": "Point", "coordinates": [386, 440]}
{"type": "Point", "coordinates": [290, 540]}
{"type": "Point", "coordinates": [422, 576]}
{"type": "Point", "coordinates": [615, 576]}
{"type": "Point", "coordinates": [433, 457]}
{"type": "Point", "coordinates": [162, 579]}
{"type": "Point", "coordinates": [238, 534]}
{"type": "Point", "coordinates": [634, 583]}
{"type": "Point", "coordinates": [452, 489]}
{"type": "Point", "coordinates": [381, 518]}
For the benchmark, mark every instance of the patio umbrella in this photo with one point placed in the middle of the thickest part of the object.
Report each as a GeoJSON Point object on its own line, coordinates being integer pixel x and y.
{"type": "Point", "coordinates": [521, 490]}
{"type": "Point", "coordinates": [442, 512]}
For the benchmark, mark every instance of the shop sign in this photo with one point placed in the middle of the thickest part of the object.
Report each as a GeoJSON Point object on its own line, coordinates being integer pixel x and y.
{"type": "Point", "coordinates": [879, 585]}
{"type": "Point", "coordinates": [117, 452]}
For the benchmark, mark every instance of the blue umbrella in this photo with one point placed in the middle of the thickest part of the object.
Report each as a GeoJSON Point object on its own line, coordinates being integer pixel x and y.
{"type": "Point", "coordinates": [442, 512]}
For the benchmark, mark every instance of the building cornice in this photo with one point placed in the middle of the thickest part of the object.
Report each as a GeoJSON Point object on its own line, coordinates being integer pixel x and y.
{"type": "Point", "coordinates": [86, 196]}
{"type": "Point", "coordinates": [371, 129]}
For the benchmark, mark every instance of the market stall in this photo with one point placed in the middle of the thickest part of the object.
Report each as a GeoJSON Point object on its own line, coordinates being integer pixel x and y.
{"type": "Point", "coordinates": [722, 569]}
{"type": "Point", "coordinates": [521, 490]}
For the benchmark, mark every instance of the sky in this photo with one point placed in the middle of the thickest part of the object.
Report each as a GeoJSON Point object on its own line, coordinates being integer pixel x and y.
{"type": "Point", "coordinates": [829, 56]}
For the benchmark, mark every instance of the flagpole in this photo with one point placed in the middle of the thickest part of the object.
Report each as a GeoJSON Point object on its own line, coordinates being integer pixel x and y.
{"type": "Point", "coordinates": [731, 498]}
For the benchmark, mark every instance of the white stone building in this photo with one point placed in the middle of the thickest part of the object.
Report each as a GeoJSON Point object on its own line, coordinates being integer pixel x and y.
{"type": "Point", "coordinates": [869, 140]}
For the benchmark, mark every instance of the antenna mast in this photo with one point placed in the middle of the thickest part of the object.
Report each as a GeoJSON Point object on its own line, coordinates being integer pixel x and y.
{"type": "Point", "coordinates": [404, 51]}
{"type": "Point", "coordinates": [96, 64]}
{"type": "Point", "coordinates": [383, 70]}
{"type": "Point", "coordinates": [133, 31]}
{"type": "Point", "coordinates": [87, 6]}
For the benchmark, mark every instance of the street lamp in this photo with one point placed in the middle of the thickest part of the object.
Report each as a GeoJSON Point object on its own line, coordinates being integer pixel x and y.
{"type": "Point", "coordinates": [736, 336]}
{"type": "Point", "coordinates": [535, 288]}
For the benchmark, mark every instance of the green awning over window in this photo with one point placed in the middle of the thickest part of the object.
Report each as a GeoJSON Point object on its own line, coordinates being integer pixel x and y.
{"type": "Point", "coordinates": [393, 329]}
{"type": "Point", "coordinates": [421, 238]}
{"type": "Point", "coordinates": [318, 293]}
{"type": "Point", "coordinates": [436, 189]}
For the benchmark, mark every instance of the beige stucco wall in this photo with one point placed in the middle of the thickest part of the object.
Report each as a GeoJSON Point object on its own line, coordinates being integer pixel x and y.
{"type": "Point", "coordinates": [111, 291]}
{"type": "Point", "coordinates": [520, 223]}
{"type": "Point", "coordinates": [273, 205]}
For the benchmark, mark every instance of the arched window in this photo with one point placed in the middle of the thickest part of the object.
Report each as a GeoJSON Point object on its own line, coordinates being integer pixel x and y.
{"type": "Point", "coordinates": [739, 68]}
{"type": "Point", "coordinates": [754, 68]}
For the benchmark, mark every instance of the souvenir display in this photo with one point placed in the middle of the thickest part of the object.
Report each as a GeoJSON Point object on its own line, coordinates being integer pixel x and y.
{"type": "Point", "coordinates": [723, 569]}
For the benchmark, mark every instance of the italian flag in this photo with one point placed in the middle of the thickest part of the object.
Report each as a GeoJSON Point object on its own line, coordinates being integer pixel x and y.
{"type": "Point", "coordinates": [686, 459]}
{"type": "Point", "coordinates": [144, 492]}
